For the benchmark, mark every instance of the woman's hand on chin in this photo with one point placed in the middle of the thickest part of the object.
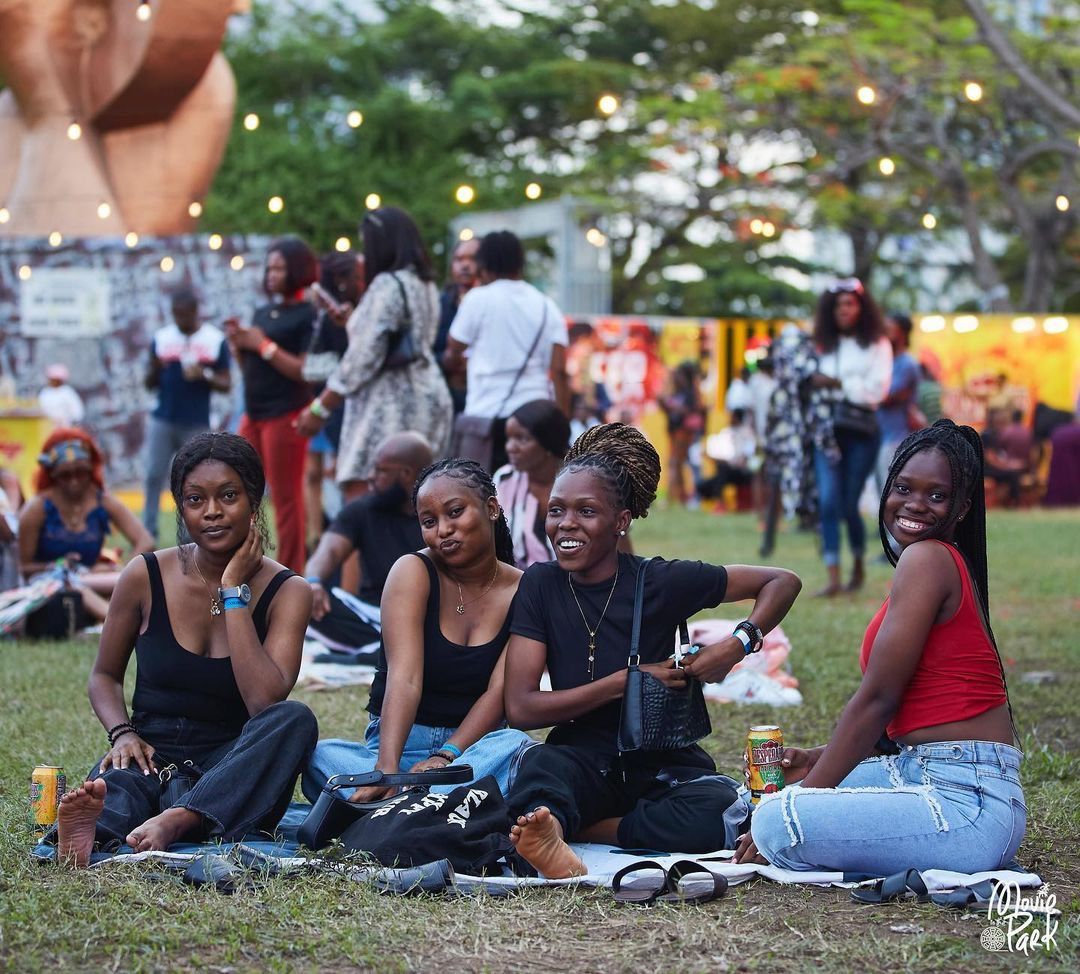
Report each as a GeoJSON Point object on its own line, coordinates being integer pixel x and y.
{"type": "Point", "coordinates": [246, 560]}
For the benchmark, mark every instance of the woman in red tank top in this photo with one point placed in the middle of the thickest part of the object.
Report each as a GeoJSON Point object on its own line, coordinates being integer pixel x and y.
{"type": "Point", "coordinates": [941, 789]}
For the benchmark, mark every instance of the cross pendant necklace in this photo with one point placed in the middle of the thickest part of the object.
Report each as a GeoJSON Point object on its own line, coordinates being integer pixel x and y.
{"type": "Point", "coordinates": [589, 629]}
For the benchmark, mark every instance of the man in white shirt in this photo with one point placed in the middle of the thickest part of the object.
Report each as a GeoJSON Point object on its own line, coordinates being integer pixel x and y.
{"type": "Point", "coordinates": [59, 401]}
{"type": "Point", "coordinates": [511, 338]}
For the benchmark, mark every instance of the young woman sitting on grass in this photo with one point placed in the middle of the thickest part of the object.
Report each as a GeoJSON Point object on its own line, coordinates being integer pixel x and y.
{"type": "Point", "coordinates": [438, 692]}
{"type": "Point", "coordinates": [217, 628]}
{"type": "Point", "coordinates": [574, 617]}
{"type": "Point", "coordinates": [933, 680]}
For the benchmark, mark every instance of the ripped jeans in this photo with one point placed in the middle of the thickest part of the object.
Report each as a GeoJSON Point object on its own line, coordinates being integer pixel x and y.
{"type": "Point", "coordinates": [954, 805]}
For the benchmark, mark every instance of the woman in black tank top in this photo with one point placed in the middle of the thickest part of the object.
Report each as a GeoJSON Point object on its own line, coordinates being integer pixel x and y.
{"type": "Point", "coordinates": [437, 696]}
{"type": "Point", "coordinates": [213, 747]}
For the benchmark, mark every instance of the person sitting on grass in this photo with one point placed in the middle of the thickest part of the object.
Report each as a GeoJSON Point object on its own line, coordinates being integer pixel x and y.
{"type": "Point", "coordinates": [438, 692]}
{"type": "Point", "coordinates": [933, 680]}
{"type": "Point", "coordinates": [72, 515]}
{"type": "Point", "coordinates": [217, 629]}
{"type": "Point", "coordinates": [574, 616]}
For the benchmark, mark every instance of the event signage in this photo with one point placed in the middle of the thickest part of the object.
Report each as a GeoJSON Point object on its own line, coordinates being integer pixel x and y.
{"type": "Point", "coordinates": [65, 302]}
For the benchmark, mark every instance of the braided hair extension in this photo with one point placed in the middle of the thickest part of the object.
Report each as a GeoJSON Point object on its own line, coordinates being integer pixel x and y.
{"type": "Point", "coordinates": [475, 477]}
{"type": "Point", "coordinates": [621, 456]}
{"type": "Point", "coordinates": [962, 448]}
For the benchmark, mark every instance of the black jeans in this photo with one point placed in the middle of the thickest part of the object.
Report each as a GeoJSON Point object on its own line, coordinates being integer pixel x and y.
{"type": "Point", "coordinates": [247, 780]}
{"type": "Point", "coordinates": [670, 809]}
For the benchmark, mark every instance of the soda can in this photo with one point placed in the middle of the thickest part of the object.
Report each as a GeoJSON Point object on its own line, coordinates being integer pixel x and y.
{"type": "Point", "coordinates": [47, 787]}
{"type": "Point", "coordinates": [764, 751]}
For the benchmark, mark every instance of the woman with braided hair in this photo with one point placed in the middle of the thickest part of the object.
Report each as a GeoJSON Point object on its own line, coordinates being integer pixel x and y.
{"type": "Point", "coordinates": [942, 789]}
{"type": "Point", "coordinates": [574, 617]}
{"type": "Point", "coordinates": [438, 692]}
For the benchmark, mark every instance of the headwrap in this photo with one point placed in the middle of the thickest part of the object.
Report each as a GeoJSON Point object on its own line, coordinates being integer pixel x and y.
{"type": "Point", "coordinates": [66, 451]}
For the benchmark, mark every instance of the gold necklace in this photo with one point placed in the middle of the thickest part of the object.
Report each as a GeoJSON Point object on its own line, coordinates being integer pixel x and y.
{"type": "Point", "coordinates": [590, 629]}
{"type": "Point", "coordinates": [460, 607]}
{"type": "Point", "coordinates": [215, 609]}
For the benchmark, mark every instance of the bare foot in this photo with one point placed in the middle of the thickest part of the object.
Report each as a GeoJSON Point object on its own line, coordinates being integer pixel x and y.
{"type": "Point", "coordinates": [76, 823]}
{"type": "Point", "coordinates": [538, 836]}
{"type": "Point", "coordinates": [828, 592]}
{"type": "Point", "coordinates": [158, 833]}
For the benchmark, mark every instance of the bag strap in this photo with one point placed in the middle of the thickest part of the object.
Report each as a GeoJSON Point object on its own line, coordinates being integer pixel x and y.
{"type": "Point", "coordinates": [404, 299]}
{"type": "Point", "coordinates": [639, 605]}
{"type": "Point", "coordinates": [454, 774]}
{"type": "Point", "coordinates": [524, 364]}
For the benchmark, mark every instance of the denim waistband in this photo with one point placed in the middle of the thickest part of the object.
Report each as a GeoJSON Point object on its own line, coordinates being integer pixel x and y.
{"type": "Point", "coordinates": [1004, 756]}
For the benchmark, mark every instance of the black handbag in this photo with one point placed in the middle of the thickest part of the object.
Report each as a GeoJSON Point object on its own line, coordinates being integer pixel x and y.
{"type": "Point", "coordinates": [62, 616]}
{"type": "Point", "coordinates": [852, 418]}
{"type": "Point", "coordinates": [332, 813]}
{"type": "Point", "coordinates": [401, 349]}
{"type": "Point", "coordinates": [656, 717]}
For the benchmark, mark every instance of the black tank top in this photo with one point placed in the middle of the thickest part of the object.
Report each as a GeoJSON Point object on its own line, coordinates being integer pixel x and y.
{"type": "Point", "coordinates": [455, 676]}
{"type": "Point", "coordinates": [172, 682]}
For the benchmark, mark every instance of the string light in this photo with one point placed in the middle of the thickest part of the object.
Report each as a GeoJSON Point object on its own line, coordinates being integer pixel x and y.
{"type": "Point", "coordinates": [56, 238]}
{"type": "Point", "coordinates": [251, 121]}
{"type": "Point", "coordinates": [886, 165]}
{"type": "Point", "coordinates": [756, 225]}
{"type": "Point", "coordinates": [195, 209]}
{"type": "Point", "coordinates": [341, 244]}
{"type": "Point", "coordinates": [354, 119]}
{"type": "Point", "coordinates": [1062, 203]}
{"type": "Point", "coordinates": [167, 264]}
{"type": "Point", "coordinates": [25, 273]}
{"type": "Point", "coordinates": [275, 204]}
{"type": "Point", "coordinates": [464, 194]}
{"type": "Point", "coordinates": [5, 214]}
{"type": "Point", "coordinates": [74, 131]}
{"type": "Point", "coordinates": [929, 221]}
{"type": "Point", "coordinates": [103, 210]}
{"type": "Point", "coordinates": [373, 201]}
{"type": "Point", "coordinates": [973, 91]}
{"type": "Point", "coordinates": [768, 229]}
{"type": "Point", "coordinates": [214, 241]}
{"type": "Point", "coordinates": [595, 237]}
{"type": "Point", "coordinates": [466, 234]}
{"type": "Point", "coordinates": [131, 238]}
{"type": "Point", "coordinates": [237, 263]}
{"type": "Point", "coordinates": [533, 191]}
{"type": "Point", "coordinates": [866, 95]}
{"type": "Point", "coordinates": [608, 104]}
{"type": "Point", "coordinates": [143, 12]}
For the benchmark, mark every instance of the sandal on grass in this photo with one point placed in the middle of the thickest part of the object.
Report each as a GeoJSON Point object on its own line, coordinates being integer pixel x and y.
{"type": "Point", "coordinates": [703, 888]}
{"type": "Point", "coordinates": [643, 890]}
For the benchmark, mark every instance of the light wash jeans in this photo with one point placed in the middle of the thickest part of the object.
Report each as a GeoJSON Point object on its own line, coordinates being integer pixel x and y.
{"type": "Point", "coordinates": [840, 484]}
{"type": "Point", "coordinates": [498, 753]}
{"type": "Point", "coordinates": [955, 805]}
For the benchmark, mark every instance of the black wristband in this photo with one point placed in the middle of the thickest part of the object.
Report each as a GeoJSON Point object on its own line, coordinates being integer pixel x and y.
{"type": "Point", "coordinates": [757, 637]}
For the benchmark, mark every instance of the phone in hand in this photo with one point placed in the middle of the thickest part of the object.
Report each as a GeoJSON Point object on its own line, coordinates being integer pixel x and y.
{"type": "Point", "coordinates": [325, 298]}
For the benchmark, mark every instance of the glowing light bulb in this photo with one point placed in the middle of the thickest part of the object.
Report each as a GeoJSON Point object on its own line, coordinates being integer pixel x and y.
{"type": "Point", "coordinates": [756, 225]}
{"type": "Point", "coordinates": [103, 210]}
{"type": "Point", "coordinates": [237, 263]}
{"type": "Point", "coordinates": [1062, 203]}
{"type": "Point", "coordinates": [251, 121]}
{"type": "Point", "coordinates": [929, 221]}
{"type": "Point", "coordinates": [595, 236]}
{"type": "Point", "coordinates": [74, 131]}
{"type": "Point", "coordinates": [354, 119]}
{"type": "Point", "coordinates": [1023, 325]}
{"type": "Point", "coordinates": [341, 244]}
{"type": "Point", "coordinates": [962, 324]}
{"type": "Point", "coordinates": [214, 241]}
{"type": "Point", "coordinates": [866, 95]}
{"type": "Point", "coordinates": [167, 264]}
{"type": "Point", "coordinates": [131, 238]}
{"type": "Point", "coordinates": [143, 11]}
{"type": "Point", "coordinates": [768, 229]}
{"type": "Point", "coordinates": [275, 204]}
{"type": "Point", "coordinates": [56, 238]}
{"type": "Point", "coordinates": [195, 209]}
{"type": "Point", "coordinates": [464, 194]}
{"type": "Point", "coordinates": [466, 234]}
{"type": "Point", "coordinates": [25, 273]}
{"type": "Point", "coordinates": [932, 323]}
{"type": "Point", "coordinates": [373, 201]}
{"type": "Point", "coordinates": [533, 191]}
{"type": "Point", "coordinates": [608, 104]}
{"type": "Point", "coordinates": [5, 214]}
{"type": "Point", "coordinates": [886, 165]}
{"type": "Point", "coordinates": [973, 91]}
{"type": "Point", "coordinates": [1056, 325]}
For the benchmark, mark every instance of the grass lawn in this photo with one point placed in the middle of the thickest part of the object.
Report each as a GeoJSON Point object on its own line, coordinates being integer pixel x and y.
{"type": "Point", "coordinates": [118, 919]}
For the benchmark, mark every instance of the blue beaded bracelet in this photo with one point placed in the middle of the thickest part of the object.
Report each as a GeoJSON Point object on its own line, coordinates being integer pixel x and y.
{"type": "Point", "coordinates": [235, 604]}
{"type": "Point", "coordinates": [313, 580]}
{"type": "Point", "coordinates": [452, 748]}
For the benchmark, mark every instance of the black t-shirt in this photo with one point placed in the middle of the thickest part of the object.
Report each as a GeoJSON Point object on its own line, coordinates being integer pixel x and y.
{"type": "Point", "coordinates": [268, 393]}
{"type": "Point", "coordinates": [545, 610]}
{"type": "Point", "coordinates": [382, 534]}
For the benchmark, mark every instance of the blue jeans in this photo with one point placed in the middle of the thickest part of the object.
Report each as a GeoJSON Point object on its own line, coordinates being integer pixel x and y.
{"type": "Point", "coordinates": [498, 753]}
{"type": "Point", "coordinates": [840, 482]}
{"type": "Point", "coordinates": [163, 439]}
{"type": "Point", "coordinates": [954, 805]}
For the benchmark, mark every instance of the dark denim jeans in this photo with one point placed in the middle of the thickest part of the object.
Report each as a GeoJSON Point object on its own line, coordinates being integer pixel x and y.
{"type": "Point", "coordinates": [839, 485]}
{"type": "Point", "coordinates": [248, 775]}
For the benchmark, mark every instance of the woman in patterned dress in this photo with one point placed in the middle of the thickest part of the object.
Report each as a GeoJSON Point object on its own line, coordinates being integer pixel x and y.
{"type": "Point", "coordinates": [381, 401]}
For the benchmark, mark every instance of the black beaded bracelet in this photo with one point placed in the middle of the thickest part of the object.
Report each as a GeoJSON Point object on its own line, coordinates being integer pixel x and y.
{"type": "Point", "coordinates": [120, 730]}
{"type": "Point", "coordinates": [449, 758]}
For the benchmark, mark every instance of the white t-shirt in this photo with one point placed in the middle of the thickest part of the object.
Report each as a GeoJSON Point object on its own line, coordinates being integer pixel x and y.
{"type": "Point", "coordinates": [62, 405]}
{"type": "Point", "coordinates": [498, 322]}
{"type": "Point", "coordinates": [864, 373]}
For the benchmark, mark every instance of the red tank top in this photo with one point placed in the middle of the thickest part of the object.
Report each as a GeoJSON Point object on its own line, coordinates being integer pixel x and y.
{"type": "Point", "coordinates": [958, 676]}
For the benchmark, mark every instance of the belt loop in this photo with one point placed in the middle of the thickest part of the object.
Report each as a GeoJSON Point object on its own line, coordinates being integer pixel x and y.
{"type": "Point", "coordinates": [1000, 752]}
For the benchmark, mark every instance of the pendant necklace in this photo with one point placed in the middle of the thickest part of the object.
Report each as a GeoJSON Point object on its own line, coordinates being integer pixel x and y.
{"type": "Point", "coordinates": [590, 629]}
{"type": "Point", "coordinates": [215, 609]}
{"type": "Point", "coordinates": [460, 607]}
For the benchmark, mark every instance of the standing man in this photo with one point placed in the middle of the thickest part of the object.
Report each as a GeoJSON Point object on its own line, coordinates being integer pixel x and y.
{"type": "Point", "coordinates": [893, 411]}
{"type": "Point", "coordinates": [381, 526]}
{"type": "Point", "coordinates": [187, 361]}
{"type": "Point", "coordinates": [58, 400]}
{"type": "Point", "coordinates": [463, 278]}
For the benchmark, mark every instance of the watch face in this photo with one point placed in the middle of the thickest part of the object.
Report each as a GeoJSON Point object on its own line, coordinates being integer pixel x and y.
{"type": "Point", "coordinates": [244, 592]}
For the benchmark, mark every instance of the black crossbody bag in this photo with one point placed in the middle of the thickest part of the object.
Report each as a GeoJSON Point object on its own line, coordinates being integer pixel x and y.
{"type": "Point", "coordinates": [656, 717]}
